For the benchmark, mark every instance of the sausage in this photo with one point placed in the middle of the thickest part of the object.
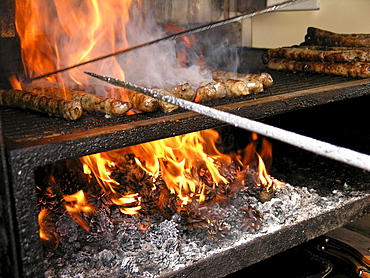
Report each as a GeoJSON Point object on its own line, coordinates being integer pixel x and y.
{"type": "Point", "coordinates": [319, 54]}
{"type": "Point", "coordinates": [316, 36]}
{"type": "Point", "coordinates": [236, 88]}
{"type": "Point", "coordinates": [184, 91]}
{"type": "Point", "coordinates": [258, 82]}
{"type": "Point", "coordinates": [165, 106]}
{"type": "Point", "coordinates": [142, 102]}
{"type": "Point", "coordinates": [211, 90]}
{"type": "Point", "coordinates": [89, 102]}
{"type": "Point", "coordinates": [68, 109]}
{"type": "Point", "coordinates": [206, 92]}
{"type": "Point", "coordinates": [353, 69]}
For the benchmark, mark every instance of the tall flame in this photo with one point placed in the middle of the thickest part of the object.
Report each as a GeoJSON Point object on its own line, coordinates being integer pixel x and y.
{"type": "Point", "coordinates": [57, 34]}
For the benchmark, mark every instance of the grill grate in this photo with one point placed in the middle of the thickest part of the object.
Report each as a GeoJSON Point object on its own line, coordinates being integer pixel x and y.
{"type": "Point", "coordinates": [22, 126]}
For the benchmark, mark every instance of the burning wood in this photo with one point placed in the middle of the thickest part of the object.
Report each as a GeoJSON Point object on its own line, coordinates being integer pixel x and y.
{"type": "Point", "coordinates": [70, 110]}
{"type": "Point", "coordinates": [166, 233]}
{"type": "Point", "coordinates": [135, 185]}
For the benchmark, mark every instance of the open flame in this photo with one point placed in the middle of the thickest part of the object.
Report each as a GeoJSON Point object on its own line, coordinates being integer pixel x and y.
{"type": "Point", "coordinates": [59, 34]}
{"type": "Point", "coordinates": [190, 166]}
{"type": "Point", "coordinates": [76, 204]}
{"type": "Point", "coordinates": [187, 164]}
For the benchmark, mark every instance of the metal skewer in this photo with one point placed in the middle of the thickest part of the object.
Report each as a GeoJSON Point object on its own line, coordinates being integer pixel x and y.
{"type": "Point", "coordinates": [177, 35]}
{"type": "Point", "coordinates": [341, 154]}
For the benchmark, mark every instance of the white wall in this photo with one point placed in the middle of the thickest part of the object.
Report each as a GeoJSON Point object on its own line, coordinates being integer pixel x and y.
{"type": "Point", "coordinates": [289, 28]}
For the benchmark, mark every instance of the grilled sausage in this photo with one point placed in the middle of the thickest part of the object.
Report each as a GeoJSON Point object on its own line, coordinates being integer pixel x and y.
{"type": "Point", "coordinates": [68, 109]}
{"type": "Point", "coordinates": [353, 69]}
{"type": "Point", "coordinates": [142, 102]}
{"type": "Point", "coordinates": [165, 106]}
{"type": "Point", "coordinates": [316, 36]}
{"type": "Point", "coordinates": [258, 82]}
{"type": "Point", "coordinates": [211, 90]}
{"type": "Point", "coordinates": [89, 102]}
{"type": "Point", "coordinates": [319, 54]}
{"type": "Point", "coordinates": [236, 88]}
{"type": "Point", "coordinates": [184, 91]}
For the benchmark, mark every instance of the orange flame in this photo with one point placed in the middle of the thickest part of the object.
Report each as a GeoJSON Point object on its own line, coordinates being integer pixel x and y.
{"type": "Point", "coordinates": [57, 34]}
{"type": "Point", "coordinates": [263, 161]}
{"type": "Point", "coordinates": [42, 219]}
{"type": "Point", "coordinates": [179, 161]}
{"type": "Point", "coordinates": [173, 159]}
{"type": "Point", "coordinates": [77, 204]}
{"type": "Point", "coordinates": [101, 168]}
{"type": "Point", "coordinates": [49, 238]}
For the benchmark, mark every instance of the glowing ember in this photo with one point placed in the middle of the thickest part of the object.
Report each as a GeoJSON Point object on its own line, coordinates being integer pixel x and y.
{"type": "Point", "coordinates": [185, 174]}
{"type": "Point", "coordinates": [76, 204]}
{"type": "Point", "coordinates": [48, 235]}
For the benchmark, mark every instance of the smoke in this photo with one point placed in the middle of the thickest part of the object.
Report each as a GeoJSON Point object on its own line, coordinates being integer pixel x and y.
{"type": "Point", "coordinates": [69, 32]}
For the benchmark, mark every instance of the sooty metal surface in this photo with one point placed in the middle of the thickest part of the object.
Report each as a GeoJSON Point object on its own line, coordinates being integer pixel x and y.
{"type": "Point", "coordinates": [32, 139]}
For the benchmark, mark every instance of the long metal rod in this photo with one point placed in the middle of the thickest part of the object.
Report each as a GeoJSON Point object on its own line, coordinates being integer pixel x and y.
{"type": "Point", "coordinates": [177, 35]}
{"type": "Point", "coordinates": [341, 154]}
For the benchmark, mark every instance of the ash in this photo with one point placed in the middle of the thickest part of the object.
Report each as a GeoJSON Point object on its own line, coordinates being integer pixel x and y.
{"type": "Point", "coordinates": [128, 246]}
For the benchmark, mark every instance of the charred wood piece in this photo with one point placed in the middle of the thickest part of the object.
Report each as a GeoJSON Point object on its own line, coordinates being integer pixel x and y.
{"type": "Point", "coordinates": [252, 219]}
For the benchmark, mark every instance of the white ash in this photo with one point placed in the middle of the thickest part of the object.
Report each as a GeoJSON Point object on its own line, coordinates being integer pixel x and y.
{"type": "Point", "coordinates": [164, 247]}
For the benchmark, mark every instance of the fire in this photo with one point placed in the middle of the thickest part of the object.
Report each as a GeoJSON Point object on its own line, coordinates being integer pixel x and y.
{"type": "Point", "coordinates": [48, 236]}
{"type": "Point", "coordinates": [174, 160]}
{"type": "Point", "coordinates": [76, 204]}
{"type": "Point", "coordinates": [101, 167]}
{"type": "Point", "coordinates": [179, 172]}
{"type": "Point", "coordinates": [59, 34]}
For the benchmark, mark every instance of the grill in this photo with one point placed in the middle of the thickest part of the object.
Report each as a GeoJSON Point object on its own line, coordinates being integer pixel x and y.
{"type": "Point", "coordinates": [31, 140]}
